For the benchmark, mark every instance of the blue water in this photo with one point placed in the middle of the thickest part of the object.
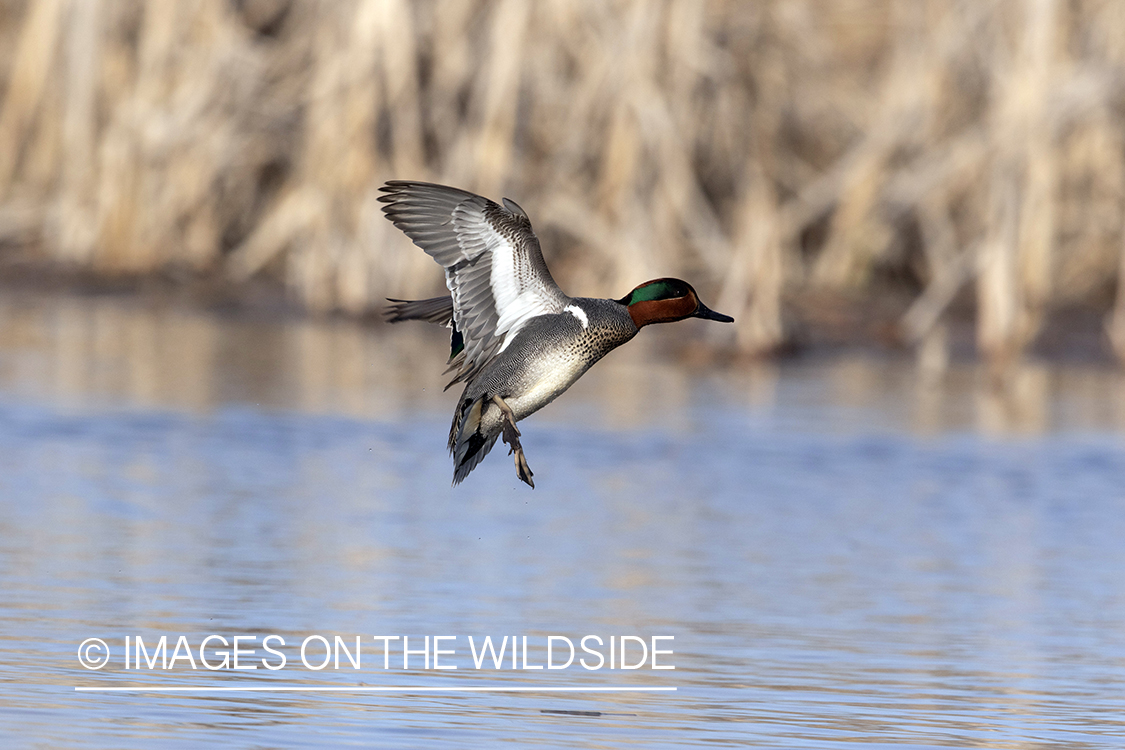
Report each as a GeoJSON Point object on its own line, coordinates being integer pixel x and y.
{"type": "Point", "coordinates": [831, 574]}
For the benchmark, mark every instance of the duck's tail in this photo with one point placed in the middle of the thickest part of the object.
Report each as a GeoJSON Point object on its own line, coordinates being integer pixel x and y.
{"type": "Point", "coordinates": [437, 310]}
{"type": "Point", "coordinates": [467, 444]}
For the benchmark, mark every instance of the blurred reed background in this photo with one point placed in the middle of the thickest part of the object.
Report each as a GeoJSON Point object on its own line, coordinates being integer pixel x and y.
{"type": "Point", "coordinates": [947, 152]}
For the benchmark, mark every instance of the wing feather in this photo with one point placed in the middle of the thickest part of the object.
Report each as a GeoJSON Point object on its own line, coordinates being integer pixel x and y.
{"type": "Point", "coordinates": [493, 265]}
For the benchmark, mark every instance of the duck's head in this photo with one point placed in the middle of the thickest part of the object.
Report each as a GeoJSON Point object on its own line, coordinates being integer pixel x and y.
{"type": "Point", "coordinates": [667, 300]}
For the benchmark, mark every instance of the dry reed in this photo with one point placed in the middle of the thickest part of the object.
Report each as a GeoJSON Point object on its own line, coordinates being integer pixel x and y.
{"type": "Point", "coordinates": [757, 148]}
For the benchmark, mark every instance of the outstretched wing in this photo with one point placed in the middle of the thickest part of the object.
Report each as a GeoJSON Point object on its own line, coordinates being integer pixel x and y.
{"type": "Point", "coordinates": [493, 265]}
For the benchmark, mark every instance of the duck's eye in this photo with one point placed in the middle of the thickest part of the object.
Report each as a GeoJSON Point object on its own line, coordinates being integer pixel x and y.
{"type": "Point", "coordinates": [674, 290]}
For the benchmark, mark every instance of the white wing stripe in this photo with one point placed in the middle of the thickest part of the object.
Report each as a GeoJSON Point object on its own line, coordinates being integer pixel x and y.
{"type": "Point", "coordinates": [513, 306]}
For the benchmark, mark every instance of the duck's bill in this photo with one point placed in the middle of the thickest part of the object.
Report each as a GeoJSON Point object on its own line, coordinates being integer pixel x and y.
{"type": "Point", "coordinates": [708, 314]}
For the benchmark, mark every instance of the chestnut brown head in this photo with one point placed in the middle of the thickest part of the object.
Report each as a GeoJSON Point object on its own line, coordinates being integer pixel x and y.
{"type": "Point", "coordinates": [665, 301]}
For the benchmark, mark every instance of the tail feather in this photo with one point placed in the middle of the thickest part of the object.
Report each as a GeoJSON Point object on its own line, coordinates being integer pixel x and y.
{"type": "Point", "coordinates": [473, 456]}
{"type": "Point", "coordinates": [467, 444]}
{"type": "Point", "coordinates": [437, 310]}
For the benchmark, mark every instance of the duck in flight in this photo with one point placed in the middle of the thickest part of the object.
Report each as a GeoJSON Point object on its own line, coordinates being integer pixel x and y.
{"type": "Point", "coordinates": [518, 341]}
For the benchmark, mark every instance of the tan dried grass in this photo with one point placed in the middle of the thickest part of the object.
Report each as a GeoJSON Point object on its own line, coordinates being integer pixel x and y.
{"type": "Point", "coordinates": [755, 148]}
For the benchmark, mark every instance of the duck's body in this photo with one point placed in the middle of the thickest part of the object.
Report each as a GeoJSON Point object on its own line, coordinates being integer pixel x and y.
{"type": "Point", "coordinates": [544, 359]}
{"type": "Point", "coordinates": [518, 340]}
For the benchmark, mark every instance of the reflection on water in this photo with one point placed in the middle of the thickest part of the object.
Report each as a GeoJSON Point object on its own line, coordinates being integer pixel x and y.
{"type": "Point", "coordinates": [844, 554]}
{"type": "Point", "coordinates": [77, 352]}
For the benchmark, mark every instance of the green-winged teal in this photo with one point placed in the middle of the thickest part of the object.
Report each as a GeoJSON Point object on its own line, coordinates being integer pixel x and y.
{"type": "Point", "coordinates": [518, 341]}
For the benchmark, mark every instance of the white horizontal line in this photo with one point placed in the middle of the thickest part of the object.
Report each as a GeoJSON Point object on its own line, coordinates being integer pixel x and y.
{"type": "Point", "coordinates": [371, 689]}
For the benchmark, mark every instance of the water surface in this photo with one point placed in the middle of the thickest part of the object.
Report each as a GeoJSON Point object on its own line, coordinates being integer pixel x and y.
{"type": "Point", "coordinates": [844, 556]}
